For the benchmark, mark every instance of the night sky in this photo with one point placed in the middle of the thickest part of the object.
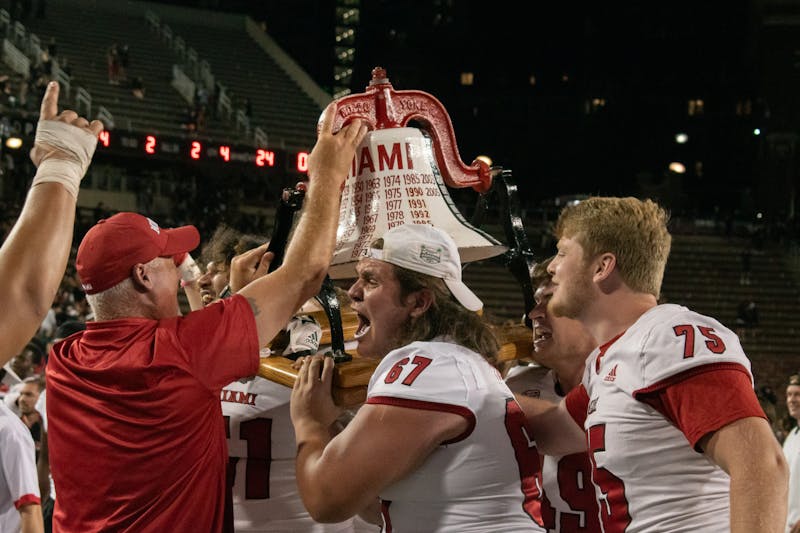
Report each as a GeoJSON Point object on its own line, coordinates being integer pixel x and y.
{"type": "Point", "coordinates": [644, 61]}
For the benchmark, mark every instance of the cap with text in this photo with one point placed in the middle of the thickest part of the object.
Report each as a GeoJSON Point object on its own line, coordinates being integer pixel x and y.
{"type": "Point", "coordinates": [113, 246]}
{"type": "Point", "coordinates": [427, 250]}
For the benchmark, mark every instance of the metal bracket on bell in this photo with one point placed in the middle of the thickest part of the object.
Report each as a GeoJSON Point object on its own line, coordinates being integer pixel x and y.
{"type": "Point", "coordinates": [290, 203]}
{"type": "Point", "coordinates": [381, 107]}
{"type": "Point", "coordinates": [330, 304]}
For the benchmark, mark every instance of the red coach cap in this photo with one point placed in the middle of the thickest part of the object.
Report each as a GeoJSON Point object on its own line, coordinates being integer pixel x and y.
{"type": "Point", "coordinates": [114, 245]}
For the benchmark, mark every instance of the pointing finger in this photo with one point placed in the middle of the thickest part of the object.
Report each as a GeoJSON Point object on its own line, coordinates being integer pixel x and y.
{"type": "Point", "coordinates": [49, 108]}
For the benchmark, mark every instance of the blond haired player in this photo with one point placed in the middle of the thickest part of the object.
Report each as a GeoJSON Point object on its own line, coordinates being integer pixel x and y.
{"type": "Point", "coordinates": [677, 438]}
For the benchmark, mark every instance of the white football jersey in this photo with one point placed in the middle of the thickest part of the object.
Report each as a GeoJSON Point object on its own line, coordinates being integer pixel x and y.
{"type": "Point", "coordinates": [262, 450]}
{"type": "Point", "coordinates": [647, 475]}
{"type": "Point", "coordinates": [569, 504]}
{"type": "Point", "coordinates": [484, 481]}
{"type": "Point", "coordinates": [41, 407]}
{"type": "Point", "coordinates": [19, 483]}
{"type": "Point", "coordinates": [791, 449]}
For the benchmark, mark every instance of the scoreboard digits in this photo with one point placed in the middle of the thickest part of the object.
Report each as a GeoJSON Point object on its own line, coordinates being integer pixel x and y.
{"type": "Point", "coordinates": [199, 150]}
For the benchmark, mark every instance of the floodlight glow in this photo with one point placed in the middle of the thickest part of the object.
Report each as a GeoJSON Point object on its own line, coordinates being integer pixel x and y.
{"type": "Point", "coordinates": [677, 168]}
{"type": "Point", "coordinates": [13, 143]}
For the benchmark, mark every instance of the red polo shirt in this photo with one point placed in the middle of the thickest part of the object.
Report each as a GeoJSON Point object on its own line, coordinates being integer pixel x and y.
{"type": "Point", "coordinates": [136, 436]}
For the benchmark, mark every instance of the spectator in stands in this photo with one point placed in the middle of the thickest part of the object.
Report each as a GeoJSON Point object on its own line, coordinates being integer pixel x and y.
{"type": "Point", "coordinates": [137, 87]}
{"type": "Point", "coordinates": [124, 62]}
{"type": "Point", "coordinates": [435, 404]}
{"type": "Point", "coordinates": [201, 118]}
{"type": "Point", "coordinates": [200, 95]}
{"type": "Point", "coordinates": [28, 359]}
{"type": "Point", "coordinates": [561, 346]}
{"type": "Point", "coordinates": [791, 449]}
{"type": "Point", "coordinates": [52, 48]}
{"type": "Point", "coordinates": [746, 266]}
{"type": "Point", "coordinates": [63, 64]}
{"type": "Point", "coordinates": [32, 387]}
{"type": "Point", "coordinates": [644, 407]}
{"type": "Point", "coordinates": [113, 390]}
{"type": "Point", "coordinates": [248, 108]}
{"type": "Point", "coordinates": [20, 504]}
{"type": "Point", "coordinates": [189, 121]}
{"type": "Point", "coordinates": [46, 63]}
{"type": "Point", "coordinates": [112, 60]}
{"type": "Point", "coordinates": [747, 320]}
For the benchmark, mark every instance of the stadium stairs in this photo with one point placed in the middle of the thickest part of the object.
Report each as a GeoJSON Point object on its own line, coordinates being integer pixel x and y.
{"type": "Point", "coordinates": [252, 69]}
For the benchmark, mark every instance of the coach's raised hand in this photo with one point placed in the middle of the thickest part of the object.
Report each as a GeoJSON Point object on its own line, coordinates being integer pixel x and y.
{"type": "Point", "coordinates": [64, 145]}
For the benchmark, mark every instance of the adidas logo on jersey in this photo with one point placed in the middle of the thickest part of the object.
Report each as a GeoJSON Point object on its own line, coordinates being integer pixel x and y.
{"type": "Point", "coordinates": [612, 375]}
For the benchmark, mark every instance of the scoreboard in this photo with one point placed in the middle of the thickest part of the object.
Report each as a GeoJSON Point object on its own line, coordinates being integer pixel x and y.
{"type": "Point", "coordinates": [162, 147]}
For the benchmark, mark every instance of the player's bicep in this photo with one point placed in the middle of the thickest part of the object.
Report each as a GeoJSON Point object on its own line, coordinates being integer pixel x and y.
{"type": "Point", "coordinates": [554, 429]}
{"type": "Point", "coordinates": [381, 445]}
{"type": "Point", "coordinates": [274, 299]}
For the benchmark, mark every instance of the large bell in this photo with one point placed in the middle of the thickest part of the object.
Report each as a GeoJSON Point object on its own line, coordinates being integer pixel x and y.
{"type": "Point", "coordinates": [400, 175]}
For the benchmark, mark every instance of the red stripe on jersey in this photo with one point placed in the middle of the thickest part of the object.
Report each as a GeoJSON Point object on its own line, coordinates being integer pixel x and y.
{"type": "Point", "coordinates": [684, 399]}
{"type": "Point", "coordinates": [27, 499]}
{"type": "Point", "coordinates": [431, 406]}
{"type": "Point", "coordinates": [603, 349]}
{"type": "Point", "coordinates": [577, 404]}
{"type": "Point", "coordinates": [387, 520]}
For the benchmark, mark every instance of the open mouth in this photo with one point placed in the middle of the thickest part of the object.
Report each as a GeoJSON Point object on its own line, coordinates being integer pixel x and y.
{"type": "Point", "coordinates": [541, 335]}
{"type": "Point", "coordinates": [364, 326]}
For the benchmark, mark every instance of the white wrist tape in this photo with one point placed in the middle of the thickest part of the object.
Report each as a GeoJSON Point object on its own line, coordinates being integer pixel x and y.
{"type": "Point", "coordinates": [60, 171]}
{"type": "Point", "coordinates": [189, 269]}
{"type": "Point", "coordinates": [77, 143]}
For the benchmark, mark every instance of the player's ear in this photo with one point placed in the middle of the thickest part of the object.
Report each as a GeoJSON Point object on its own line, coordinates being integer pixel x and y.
{"type": "Point", "coordinates": [140, 275]}
{"type": "Point", "coordinates": [420, 302]}
{"type": "Point", "coordinates": [604, 266]}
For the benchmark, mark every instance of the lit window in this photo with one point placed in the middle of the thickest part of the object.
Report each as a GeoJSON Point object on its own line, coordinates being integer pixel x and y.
{"type": "Point", "coordinates": [467, 78]}
{"type": "Point", "coordinates": [593, 105]}
{"type": "Point", "coordinates": [696, 107]}
{"type": "Point", "coordinates": [744, 108]}
{"type": "Point", "coordinates": [677, 167]}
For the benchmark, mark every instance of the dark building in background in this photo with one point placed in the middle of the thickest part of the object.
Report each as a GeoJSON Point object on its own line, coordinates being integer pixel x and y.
{"type": "Point", "coordinates": [779, 84]}
{"type": "Point", "coordinates": [667, 100]}
{"type": "Point", "coordinates": [693, 103]}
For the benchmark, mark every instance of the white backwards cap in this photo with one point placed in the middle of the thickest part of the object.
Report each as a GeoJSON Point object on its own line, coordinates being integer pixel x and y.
{"type": "Point", "coordinates": [427, 250]}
